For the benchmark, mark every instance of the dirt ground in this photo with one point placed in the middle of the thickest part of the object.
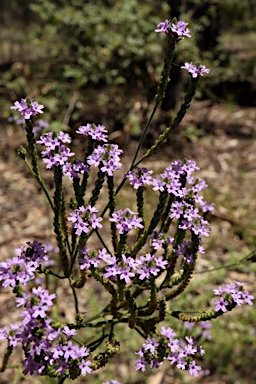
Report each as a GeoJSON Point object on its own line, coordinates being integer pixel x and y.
{"type": "Point", "coordinates": [224, 148]}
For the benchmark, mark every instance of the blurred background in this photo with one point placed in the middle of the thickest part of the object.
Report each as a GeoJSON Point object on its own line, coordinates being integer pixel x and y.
{"type": "Point", "coordinates": [100, 61]}
{"type": "Point", "coordinates": [91, 60]}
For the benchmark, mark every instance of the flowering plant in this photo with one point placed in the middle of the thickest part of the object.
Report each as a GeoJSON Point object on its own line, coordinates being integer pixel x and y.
{"type": "Point", "coordinates": [141, 263]}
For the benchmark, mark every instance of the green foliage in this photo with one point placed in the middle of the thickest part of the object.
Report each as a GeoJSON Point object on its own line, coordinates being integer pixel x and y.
{"type": "Point", "coordinates": [98, 45]}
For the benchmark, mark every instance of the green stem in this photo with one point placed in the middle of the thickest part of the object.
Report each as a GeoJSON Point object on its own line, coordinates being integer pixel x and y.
{"type": "Point", "coordinates": [41, 183]}
{"type": "Point", "coordinates": [142, 138]}
{"type": "Point", "coordinates": [57, 222]}
{"type": "Point", "coordinates": [112, 205]}
{"type": "Point", "coordinates": [102, 241]}
{"type": "Point", "coordinates": [203, 316]}
{"type": "Point", "coordinates": [153, 223]}
{"type": "Point", "coordinates": [75, 296]}
{"type": "Point", "coordinates": [186, 277]}
{"type": "Point", "coordinates": [160, 91]}
{"type": "Point", "coordinates": [62, 380]}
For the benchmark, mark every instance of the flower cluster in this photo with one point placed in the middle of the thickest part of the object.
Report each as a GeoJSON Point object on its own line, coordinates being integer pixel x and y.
{"type": "Point", "coordinates": [126, 220]}
{"type": "Point", "coordinates": [46, 348]}
{"type": "Point", "coordinates": [195, 71]}
{"type": "Point", "coordinates": [178, 29]}
{"type": "Point", "coordinates": [173, 180]}
{"type": "Point", "coordinates": [28, 108]}
{"type": "Point", "coordinates": [139, 177]}
{"type": "Point", "coordinates": [84, 218]}
{"type": "Point", "coordinates": [56, 153]}
{"type": "Point", "coordinates": [96, 132]}
{"type": "Point", "coordinates": [125, 268]}
{"type": "Point", "coordinates": [167, 347]}
{"type": "Point", "coordinates": [106, 157]}
{"type": "Point", "coordinates": [184, 249]}
{"type": "Point", "coordinates": [231, 293]}
{"type": "Point", "coordinates": [21, 268]}
{"type": "Point", "coordinates": [147, 266]}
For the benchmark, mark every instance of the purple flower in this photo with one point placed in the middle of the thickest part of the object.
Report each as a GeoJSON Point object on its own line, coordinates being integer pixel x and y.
{"type": "Point", "coordinates": [97, 132]}
{"type": "Point", "coordinates": [68, 332]}
{"type": "Point", "coordinates": [168, 332]}
{"type": "Point", "coordinates": [176, 209]}
{"type": "Point", "coordinates": [70, 350]}
{"type": "Point", "coordinates": [158, 242]}
{"type": "Point", "coordinates": [141, 365]}
{"type": "Point", "coordinates": [31, 366]}
{"type": "Point", "coordinates": [106, 157]}
{"type": "Point", "coordinates": [221, 305]}
{"type": "Point", "coordinates": [75, 169]}
{"type": "Point", "coordinates": [85, 367]}
{"type": "Point", "coordinates": [163, 27]}
{"type": "Point", "coordinates": [150, 265]}
{"type": "Point", "coordinates": [180, 28]}
{"type": "Point", "coordinates": [28, 108]}
{"type": "Point", "coordinates": [158, 185]}
{"type": "Point", "coordinates": [126, 220]}
{"type": "Point", "coordinates": [155, 363]}
{"type": "Point", "coordinates": [83, 218]}
{"type": "Point", "coordinates": [247, 298]}
{"type": "Point", "coordinates": [200, 227]}
{"type": "Point", "coordinates": [236, 293]}
{"type": "Point", "coordinates": [111, 272]}
{"type": "Point", "coordinates": [103, 255]}
{"type": "Point", "coordinates": [88, 258]}
{"type": "Point", "coordinates": [56, 153]}
{"type": "Point", "coordinates": [16, 271]}
{"type": "Point", "coordinates": [195, 71]}
{"type": "Point", "coordinates": [139, 177]}
{"type": "Point", "coordinates": [193, 369]}
{"type": "Point", "coordinates": [122, 268]}
{"type": "Point", "coordinates": [126, 275]}
{"type": "Point", "coordinates": [21, 268]}
{"type": "Point", "coordinates": [218, 291]}
{"type": "Point", "coordinates": [181, 364]}
{"type": "Point", "coordinates": [173, 345]}
{"type": "Point", "coordinates": [150, 345]}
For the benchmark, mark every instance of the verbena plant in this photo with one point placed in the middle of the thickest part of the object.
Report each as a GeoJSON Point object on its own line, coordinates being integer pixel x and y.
{"type": "Point", "coordinates": [143, 268]}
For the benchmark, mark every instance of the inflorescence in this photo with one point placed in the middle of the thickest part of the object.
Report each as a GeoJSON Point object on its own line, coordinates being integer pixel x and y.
{"type": "Point", "coordinates": [127, 270]}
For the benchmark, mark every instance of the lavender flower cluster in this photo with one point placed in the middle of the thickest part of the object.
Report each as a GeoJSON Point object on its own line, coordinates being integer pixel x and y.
{"type": "Point", "coordinates": [28, 109]}
{"type": "Point", "coordinates": [48, 349]}
{"type": "Point", "coordinates": [57, 153]}
{"type": "Point", "coordinates": [167, 347]}
{"type": "Point", "coordinates": [180, 29]}
{"type": "Point", "coordinates": [22, 268]}
{"type": "Point", "coordinates": [232, 293]}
